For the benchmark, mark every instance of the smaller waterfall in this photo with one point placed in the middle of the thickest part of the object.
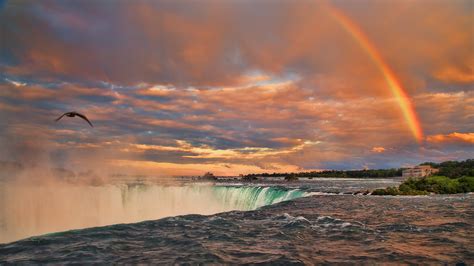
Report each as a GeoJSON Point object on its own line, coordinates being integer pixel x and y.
{"type": "Point", "coordinates": [251, 198]}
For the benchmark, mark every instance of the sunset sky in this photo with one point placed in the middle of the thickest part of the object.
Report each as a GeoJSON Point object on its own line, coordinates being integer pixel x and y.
{"type": "Point", "coordinates": [185, 87]}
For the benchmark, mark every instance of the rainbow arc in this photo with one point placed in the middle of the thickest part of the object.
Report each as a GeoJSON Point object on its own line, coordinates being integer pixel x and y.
{"type": "Point", "coordinates": [395, 86]}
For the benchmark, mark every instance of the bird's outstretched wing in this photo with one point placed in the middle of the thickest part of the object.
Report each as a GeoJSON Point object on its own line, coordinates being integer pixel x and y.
{"type": "Point", "coordinates": [85, 118]}
{"type": "Point", "coordinates": [57, 119]}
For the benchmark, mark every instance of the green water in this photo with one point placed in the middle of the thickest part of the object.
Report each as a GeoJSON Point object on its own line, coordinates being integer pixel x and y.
{"type": "Point", "coordinates": [251, 198]}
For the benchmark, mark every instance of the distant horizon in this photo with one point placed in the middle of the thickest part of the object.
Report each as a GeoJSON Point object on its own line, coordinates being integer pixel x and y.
{"type": "Point", "coordinates": [111, 174]}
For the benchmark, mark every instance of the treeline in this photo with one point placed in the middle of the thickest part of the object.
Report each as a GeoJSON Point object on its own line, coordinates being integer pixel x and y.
{"type": "Point", "coordinates": [451, 169]}
{"type": "Point", "coordinates": [430, 184]}
{"type": "Point", "coordinates": [333, 173]}
{"type": "Point", "coordinates": [454, 169]}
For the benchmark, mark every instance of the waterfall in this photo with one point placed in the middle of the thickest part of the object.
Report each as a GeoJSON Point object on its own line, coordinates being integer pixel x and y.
{"type": "Point", "coordinates": [250, 198]}
{"type": "Point", "coordinates": [33, 210]}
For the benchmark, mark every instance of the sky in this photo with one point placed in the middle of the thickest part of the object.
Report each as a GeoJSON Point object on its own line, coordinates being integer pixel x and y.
{"type": "Point", "coordinates": [236, 87]}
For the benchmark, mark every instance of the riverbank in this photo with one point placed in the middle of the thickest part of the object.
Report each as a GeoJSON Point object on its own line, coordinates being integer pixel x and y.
{"type": "Point", "coordinates": [430, 185]}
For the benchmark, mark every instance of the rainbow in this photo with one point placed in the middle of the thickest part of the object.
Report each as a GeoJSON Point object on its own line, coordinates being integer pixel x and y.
{"type": "Point", "coordinates": [392, 82]}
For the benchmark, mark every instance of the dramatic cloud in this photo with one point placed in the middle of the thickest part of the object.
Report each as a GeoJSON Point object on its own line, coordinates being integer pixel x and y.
{"type": "Point", "coordinates": [233, 86]}
{"type": "Point", "coordinates": [453, 137]}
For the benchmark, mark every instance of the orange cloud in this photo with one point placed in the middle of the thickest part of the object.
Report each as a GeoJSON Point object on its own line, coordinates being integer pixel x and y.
{"type": "Point", "coordinates": [218, 42]}
{"type": "Point", "coordinates": [455, 74]}
{"type": "Point", "coordinates": [207, 152]}
{"type": "Point", "coordinates": [378, 149]}
{"type": "Point", "coordinates": [452, 137]}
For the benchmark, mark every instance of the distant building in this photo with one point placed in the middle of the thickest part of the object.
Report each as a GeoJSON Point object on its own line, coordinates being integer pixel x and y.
{"type": "Point", "coordinates": [419, 171]}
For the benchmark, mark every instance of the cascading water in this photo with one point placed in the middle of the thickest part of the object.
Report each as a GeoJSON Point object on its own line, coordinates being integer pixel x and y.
{"type": "Point", "coordinates": [29, 211]}
{"type": "Point", "coordinates": [250, 198]}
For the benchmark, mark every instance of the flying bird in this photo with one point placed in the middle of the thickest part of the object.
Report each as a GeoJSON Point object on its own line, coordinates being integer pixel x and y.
{"type": "Point", "coordinates": [73, 114]}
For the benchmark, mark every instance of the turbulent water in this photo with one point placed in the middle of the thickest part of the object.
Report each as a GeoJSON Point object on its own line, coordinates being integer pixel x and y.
{"type": "Point", "coordinates": [297, 226]}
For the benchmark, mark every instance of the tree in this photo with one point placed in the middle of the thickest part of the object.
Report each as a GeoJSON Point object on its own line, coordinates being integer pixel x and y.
{"type": "Point", "coordinates": [209, 176]}
{"type": "Point", "coordinates": [291, 177]}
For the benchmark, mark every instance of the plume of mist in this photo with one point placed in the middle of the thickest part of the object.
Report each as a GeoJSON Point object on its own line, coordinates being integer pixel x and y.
{"type": "Point", "coordinates": [47, 186]}
{"type": "Point", "coordinates": [34, 210]}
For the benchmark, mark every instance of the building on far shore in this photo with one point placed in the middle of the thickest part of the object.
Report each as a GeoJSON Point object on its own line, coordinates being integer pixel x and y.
{"type": "Point", "coordinates": [419, 171]}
